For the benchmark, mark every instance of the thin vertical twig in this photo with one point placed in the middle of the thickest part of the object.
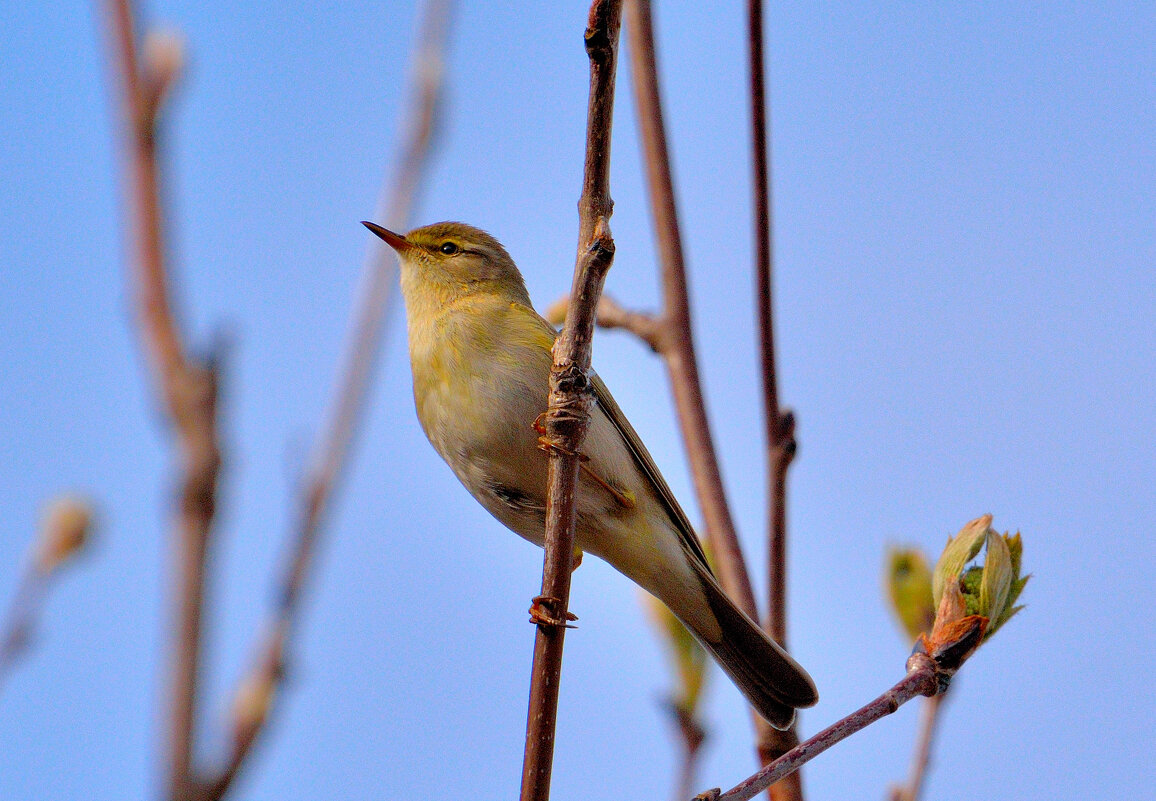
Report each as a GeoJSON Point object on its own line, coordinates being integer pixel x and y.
{"type": "Point", "coordinates": [675, 338]}
{"type": "Point", "coordinates": [568, 412]}
{"type": "Point", "coordinates": [780, 424]}
{"type": "Point", "coordinates": [332, 449]}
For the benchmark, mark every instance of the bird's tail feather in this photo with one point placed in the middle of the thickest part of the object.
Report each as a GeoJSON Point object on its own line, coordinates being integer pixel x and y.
{"type": "Point", "coordinates": [771, 680]}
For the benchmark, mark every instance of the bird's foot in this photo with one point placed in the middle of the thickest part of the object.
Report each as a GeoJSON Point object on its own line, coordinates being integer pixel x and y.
{"type": "Point", "coordinates": [544, 612]}
{"type": "Point", "coordinates": [545, 443]}
{"type": "Point", "coordinates": [625, 498]}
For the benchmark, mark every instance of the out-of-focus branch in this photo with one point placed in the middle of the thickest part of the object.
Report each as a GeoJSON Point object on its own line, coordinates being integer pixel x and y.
{"type": "Point", "coordinates": [928, 722]}
{"type": "Point", "coordinates": [568, 414]}
{"type": "Point", "coordinates": [676, 340]}
{"type": "Point", "coordinates": [258, 690]}
{"type": "Point", "coordinates": [611, 314]}
{"type": "Point", "coordinates": [187, 387]}
{"type": "Point", "coordinates": [780, 424]}
{"type": "Point", "coordinates": [188, 390]}
{"type": "Point", "coordinates": [924, 677]}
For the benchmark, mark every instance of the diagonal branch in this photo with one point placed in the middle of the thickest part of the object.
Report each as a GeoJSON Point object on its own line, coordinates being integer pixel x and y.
{"type": "Point", "coordinates": [924, 677]}
{"type": "Point", "coordinates": [780, 425]}
{"type": "Point", "coordinates": [568, 413]}
{"type": "Point", "coordinates": [258, 690]}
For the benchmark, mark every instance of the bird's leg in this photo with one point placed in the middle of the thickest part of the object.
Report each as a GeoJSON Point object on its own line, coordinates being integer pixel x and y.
{"type": "Point", "coordinates": [624, 499]}
{"type": "Point", "coordinates": [544, 612]}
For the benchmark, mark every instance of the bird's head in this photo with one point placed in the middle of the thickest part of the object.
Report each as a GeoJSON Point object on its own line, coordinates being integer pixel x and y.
{"type": "Point", "coordinates": [450, 260]}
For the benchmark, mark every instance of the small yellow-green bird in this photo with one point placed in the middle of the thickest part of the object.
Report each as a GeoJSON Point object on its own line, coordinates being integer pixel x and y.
{"type": "Point", "coordinates": [481, 359]}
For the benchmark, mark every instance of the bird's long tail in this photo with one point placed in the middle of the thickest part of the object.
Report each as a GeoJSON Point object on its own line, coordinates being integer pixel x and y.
{"type": "Point", "coordinates": [771, 680]}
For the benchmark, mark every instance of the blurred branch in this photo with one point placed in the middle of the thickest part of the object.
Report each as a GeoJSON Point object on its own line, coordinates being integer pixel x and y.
{"type": "Point", "coordinates": [187, 388]}
{"type": "Point", "coordinates": [924, 677]}
{"type": "Point", "coordinates": [568, 414]}
{"type": "Point", "coordinates": [780, 424]}
{"type": "Point", "coordinates": [928, 720]}
{"type": "Point", "coordinates": [189, 391]}
{"type": "Point", "coordinates": [611, 314]}
{"type": "Point", "coordinates": [258, 690]}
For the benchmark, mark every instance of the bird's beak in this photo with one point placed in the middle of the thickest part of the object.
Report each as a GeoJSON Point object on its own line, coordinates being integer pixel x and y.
{"type": "Point", "coordinates": [395, 241]}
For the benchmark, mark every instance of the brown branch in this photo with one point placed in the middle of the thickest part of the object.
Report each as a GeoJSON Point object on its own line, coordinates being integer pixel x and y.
{"type": "Point", "coordinates": [568, 412]}
{"type": "Point", "coordinates": [928, 721]}
{"type": "Point", "coordinates": [924, 677]}
{"type": "Point", "coordinates": [678, 346]}
{"type": "Point", "coordinates": [780, 424]}
{"type": "Point", "coordinates": [645, 326]}
{"type": "Point", "coordinates": [611, 314]}
{"type": "Point", "coordinates": [258, 690]}
{"type": "Point", "coordinates": [188, 388]}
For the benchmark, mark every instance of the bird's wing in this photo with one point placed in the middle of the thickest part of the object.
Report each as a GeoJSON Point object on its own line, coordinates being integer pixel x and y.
{"type": "Point", "coordinates": [646, 463]}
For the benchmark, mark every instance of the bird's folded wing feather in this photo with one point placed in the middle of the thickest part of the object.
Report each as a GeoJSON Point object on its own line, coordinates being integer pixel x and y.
{"type": "Point", "coordinates": [646, 463]}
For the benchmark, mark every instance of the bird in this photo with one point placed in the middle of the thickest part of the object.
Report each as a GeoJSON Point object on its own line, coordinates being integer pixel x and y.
{"type": "Point", "coordinates": [481, 358]}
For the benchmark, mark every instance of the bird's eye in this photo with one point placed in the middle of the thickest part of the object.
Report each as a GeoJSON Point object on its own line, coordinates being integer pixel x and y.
{"type": "Point", "coordinates": [448, 248]}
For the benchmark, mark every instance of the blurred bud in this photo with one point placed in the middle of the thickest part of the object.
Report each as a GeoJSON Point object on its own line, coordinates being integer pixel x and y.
{"type": "Point", "coordinates": [972, 602]}
{"type": "Point", "coordinates": [253, 701]}
{"type": "Point", "coordinates": [162, 60]}
{"type": "Point", "coordinates": [908, 580]}
{"type": "Point", "coordinates": [64, 530]}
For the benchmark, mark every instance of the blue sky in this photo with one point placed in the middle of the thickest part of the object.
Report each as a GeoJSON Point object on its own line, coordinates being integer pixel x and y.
{"type": "Point", "coordinates": [964, 226]}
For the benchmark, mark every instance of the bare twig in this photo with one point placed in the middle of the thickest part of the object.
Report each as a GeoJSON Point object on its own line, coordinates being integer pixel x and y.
{"type": "Point", "coordinates": [928, 721]}
{"type": "Point", "coordinates": [677, 343]}
{"type": "Point", "coordinates": [780, 424]}
{"type": "Point", "coordinates": [924, 677]}
{"type": "Point", "coordinates": [188, 388]}
{"type": "Point", "coordinates": [568, 413]}
{"type": "Point", "coordinates": [259, 689]}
